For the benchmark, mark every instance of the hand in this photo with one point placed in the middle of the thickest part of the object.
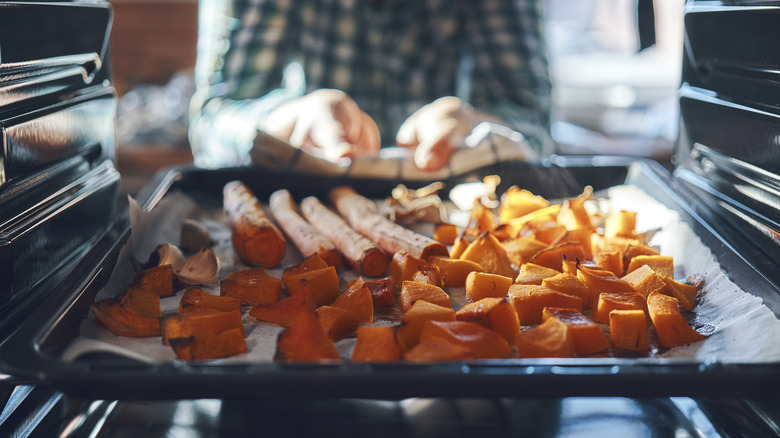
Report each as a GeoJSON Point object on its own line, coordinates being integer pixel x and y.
{"type": "Point", "coordinates": [327, 123]}
{"type": "Point", "coordinates": [435, 130]}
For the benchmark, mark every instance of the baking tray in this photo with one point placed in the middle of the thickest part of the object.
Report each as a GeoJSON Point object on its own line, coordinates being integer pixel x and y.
{"type": "Point", "coordinates": [32, 354]}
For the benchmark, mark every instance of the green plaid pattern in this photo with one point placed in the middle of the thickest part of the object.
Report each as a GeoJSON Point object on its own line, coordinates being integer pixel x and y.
{"type": "Point", "coordinates": [391, 56]}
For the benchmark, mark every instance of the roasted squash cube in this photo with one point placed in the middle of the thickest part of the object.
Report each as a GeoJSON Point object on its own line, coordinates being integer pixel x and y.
{"type": "Point", "coordinates": [609, 301]}
{"type": "Point", "coordinates": [661, 265]}
{"type": "Point", "coordinates": [428, 274]}
{"type": "Point", "coordinates": [571, 285]}
{"type": "Point", "coordinates": [383, 291]}
{"type": "Point", "coordinates": [285, 311]}
{"type": "Point", "coordinates": [197, 298]}
{"type": "Point", "coordinates": [483, 343]}
{"type": "Point", "coordinates": [496, 314]}
{"type": "Point", "coordinates": [549, 339]}
{"type": "Point", "coordinates": [412, 291]}
{"type": "Point", "coordinates": [601, 281]}
{"type": "Point", "coordinates": [200, 323]}
{"type": "Point", "coordinates": [252, 286]}
{"type": "Point", "coordinates": [357, 300]}
{"type": "Point", "coordinates": [481, 285]}
{"type": "Point", "coordinates": [531, 273]}
{"type": "Point", "coordinates": [611, 261]}
{"type": "Point", "coordinates": [438, 350]}
{"type": "Point", "coordinates": [141, 302]}
{"type": "Point", "coordinates": [522, 249]}
{"type": "Point", "coordinates": [585, 336]}
{"type": "Point", "coordinates": [685, 293]}
{"type": "Point", "coordinates": [122, 322]}
{"type": "Point", "coordinates": [223, 344]}
{"type": "Point", "coordinates": [488, 252]}
{"type": "Point", "coordinates": [644, 280]}
{"type": "Point", "coordinates": [445, 233]}
{"type": "Point", "coordinates": [336, 322]}
{"type": "Point", "coordinates": [322, 283]}
{"type": "Point", "coordinates": [530, 300]}
{"type": "Point", "coordinates": [377, 344]}
{"type": "Point", "coordinates": [403, 266]}
{"type": "Point", "coordinates": [670, 326]}
{"type": "Point", "coordinates": [628, 330]}
{"type": "Point", "coordinates": [454, 271]}
{"type": "Point", "coordinates": [415, 317]}
{"type": "Point", "coordinates": [554, 256]}
{"type": "Point", "coordinates": [516, 202]}
{"type": "Point", "coordinates": [157, 279]}
{"type": "Point", "coordinates": [305, 341]}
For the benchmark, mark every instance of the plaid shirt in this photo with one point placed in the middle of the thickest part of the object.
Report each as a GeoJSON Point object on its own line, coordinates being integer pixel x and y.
{"type": "Point", "coordinates": [391, 56]}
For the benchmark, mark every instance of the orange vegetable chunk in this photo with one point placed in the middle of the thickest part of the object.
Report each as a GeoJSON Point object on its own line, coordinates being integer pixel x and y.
{"type": "Point", "coordinates": [571, 285]}
{"type": "Point", "coordinates": [531, 273]}
{"type": "Point", "coordinates": [516, 202]}
{"type": "Point", "coordinates": [157, 279]}
{"type": "Point", "coordinates": [549, 339]}
{"type": "Point", "coordinates": [670, 326]}
{"type": "Point", "coordinates": [415, 317]}
{"type": "Point", "coordinates": [305, 341]}
{"type": "Point", "coordinates": [336, 322]}
{"type": "Point", "coordinates": [481, 285]}
{"type": "Point", "coordinates": [496, 314]}
{"type": "Point", "coordinates": [611, 261]}
{"type": "Point", "coordinates": [621, 224]}
{"type": "Point", "coordinates": [454, 271]}
{"type": "Point", "coordinates": [601, 281]}
{"type": "Point", "coordinates": [685, 293]}
{"type": "Point", "coordinates": [661, 265]}
{"type": "Point", "coordinates": [530, 300]}
{"type": "Point", "coordinates": [412, 291]}
{"type": "Point", "coordinates": [377, 344]}
{"type": "Point", "coordinates": [357, 300]}
{"type": "Point", "coordinates": [644, 280]}
{"type": "Point", "coordinates": [428, 274]}
{"type": "Point", "coordinates": [483, 343]}
{"type": "Point", "coordinates": [609, 301]}
{"type": "Point", "coordinates": [438, 350]}
{"type": "Point", "coordinates": [223, 344]}
{"type": "Point", "coordinates": [382, 291]}
{"type": "Point", "coordinates": [585, 336]}
{"type": "Point", "coordinates": [403, 266]}
{"type": "Point", "coordinates": [522, 249]}
{"type": "Point", "coordinates": [323, 284]}
{"type": "Point", "coordinates": [628, 330]}
{"type": "Point", "coordinates": [445, 233]}
{"type": "Point", "coordinates": [141, 302]}
{"type": "Point", "coordinates": [285, 310]}
{"type": "Point", "coordinates": [197, 298]}
{"type": "Point", "coordinates": [122, 322]}
{"type": "Point", "coordinates": [252, 286]}
{"type": "Point", "coordinates": [553, 257]}
{"type": "Point", "coordinates": [488, 252]}
{"type": "Point", "coordinates": [199, 323]}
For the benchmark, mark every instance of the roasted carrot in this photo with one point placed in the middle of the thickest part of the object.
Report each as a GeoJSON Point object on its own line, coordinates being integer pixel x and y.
{"type": "Point", "coordinates": [363, 215]}
{"type": "Point", "coordinates": [308, 239]}
{"type": "Point", "coordinates": [255, 237]}
{"type": "Point", "coordinates": [362, 255]}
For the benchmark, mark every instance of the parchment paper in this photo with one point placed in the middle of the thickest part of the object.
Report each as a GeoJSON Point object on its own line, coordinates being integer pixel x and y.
{"type": "Point", "coordinates": [742, 329]}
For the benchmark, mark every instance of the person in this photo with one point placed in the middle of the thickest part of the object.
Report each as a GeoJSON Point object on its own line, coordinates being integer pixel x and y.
{"type": "Point", "coordinates": [341, 78]}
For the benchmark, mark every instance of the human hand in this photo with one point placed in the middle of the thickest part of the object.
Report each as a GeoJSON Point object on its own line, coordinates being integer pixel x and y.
{"type": "Point", "coordinates": [435, 130]}
{"type": "Point", "coordinates": [327, 123]}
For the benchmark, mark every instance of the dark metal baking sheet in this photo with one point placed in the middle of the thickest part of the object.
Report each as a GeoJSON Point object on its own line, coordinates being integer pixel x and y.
{"type": "Point", "coordinates": [31, 355]}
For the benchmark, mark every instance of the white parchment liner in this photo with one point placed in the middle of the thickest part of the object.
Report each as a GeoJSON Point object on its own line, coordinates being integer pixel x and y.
{"type": "Point", "coordinates": [745, 331]}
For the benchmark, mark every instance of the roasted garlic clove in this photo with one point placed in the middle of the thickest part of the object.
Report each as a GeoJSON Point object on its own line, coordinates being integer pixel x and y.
{"type": "Point", "coordinates": [201, 268]}
{"type": "Point", "coordinates": [194, 236]}
{"type": "Point", "coordinates": [166, 254]}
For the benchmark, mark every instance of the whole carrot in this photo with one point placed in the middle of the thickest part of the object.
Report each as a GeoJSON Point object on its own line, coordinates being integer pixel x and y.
{"type": "Point", "coordinates": [308, 239]}
{"type": "Point", "coordinates": [361, 253]}
{"type": "Point", "coordinates": [255, 237]}
{"type": "Point", "coordinates": [363, 215]}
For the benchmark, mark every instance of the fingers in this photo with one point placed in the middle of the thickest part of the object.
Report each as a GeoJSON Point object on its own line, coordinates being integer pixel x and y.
{"type": "Point", "coordinates": [434, 152]}
{"type": "Point", "coordinates": [368, 141]}
{"type": "Point", "coordinates": [407, 133]}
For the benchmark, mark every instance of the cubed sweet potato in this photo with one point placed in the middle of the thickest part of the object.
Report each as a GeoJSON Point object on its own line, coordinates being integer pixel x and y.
{"type": "Point", "coordinates": [661, 265]}
{"type": "Point", "coordinates": [582, 236]}
{"type": "Point", "coordinates": [200, 323]}
{"type": "Point", "coordinates": [377, 344]}
{"type": "Point", "coordinates": [438, 350]}
{"type": "Point", "coordinates": [621, 224]}
{"type": "Point", "coordinates": [516, 202]}
{"type": "Point", "coordinates": [140, 301]}
{"type": "Point", "coordinates": [415, 317]}
{"type": "Point", "coordinates": [428, 274]}
{"type": "Point", "coordinates": [483, 343]}
{"type": "Point", "coordinates": [412, 291]}
{"type": "Point", "coordinates": [481, 285]}
{"type": "Point", "coordinates": [628, 330]}
{"type": "Point", "coordinates": [488, 252]}
{"type": "Point", "coordinates": [670, 326]}
{"type": "Point", "coordinates": [357, 300]}
{"type": "Point", "coordinates": [601, 281]}
{"type": "Point", "coordinates": [336, 322]}
{"type": "Point", "coordinates": [223, 344]}
{"type": "Point", "coordinates": [611, 261]}
{"type": "Point", "coordinates": [454, 271]}
{"type": "Point", "coordinates": [609, 301]}
{"type": "Point", "coordinates": [403, 266]}
{"type": "Point", "coordinates": [644, 280]}
{"type": "Point", "coordinates": [196, 298]}
{"type": "Point", "coordinates": [549, 339]}
{"type": "Point", "coordinates": [585, 336]}
{"type": "Point", "coordinates": [685, 293]}
{"type": "Point", "coordinates": [496, 314]}
{"type": "Point", "coordinates": [285, 311]}
{"type": "Point", "coordinates": [553, 256]}
{"type": "Point", "coordinates": [383, 291]}
{"type": "Point", "coordinates": [445, 233]}
{"type": "Point", "coordinates": [521, 250]}
{"type": "Point", "coordinates": [122, 322]}
{"type": "Point", "coordinates": [530, 300]}
{"type": "Point", "coordinates": [322, 283]}
{"type": "Point", "coordinates": [305, 341]}
{"type": "Point", "coordinates": [531, 273]}
{"type": "Point", "coordinates": [157, 279]}
{"type": "Point", "coordinates": [252, 286]}
{"type": "Point", "coordinates": [571, 285]}
{"type": "Point", "coordinates": [545, 230]}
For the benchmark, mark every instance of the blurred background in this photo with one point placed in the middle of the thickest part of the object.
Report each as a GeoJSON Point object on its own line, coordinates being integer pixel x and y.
{"type": "Point", "coordinates": [614, 64]}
